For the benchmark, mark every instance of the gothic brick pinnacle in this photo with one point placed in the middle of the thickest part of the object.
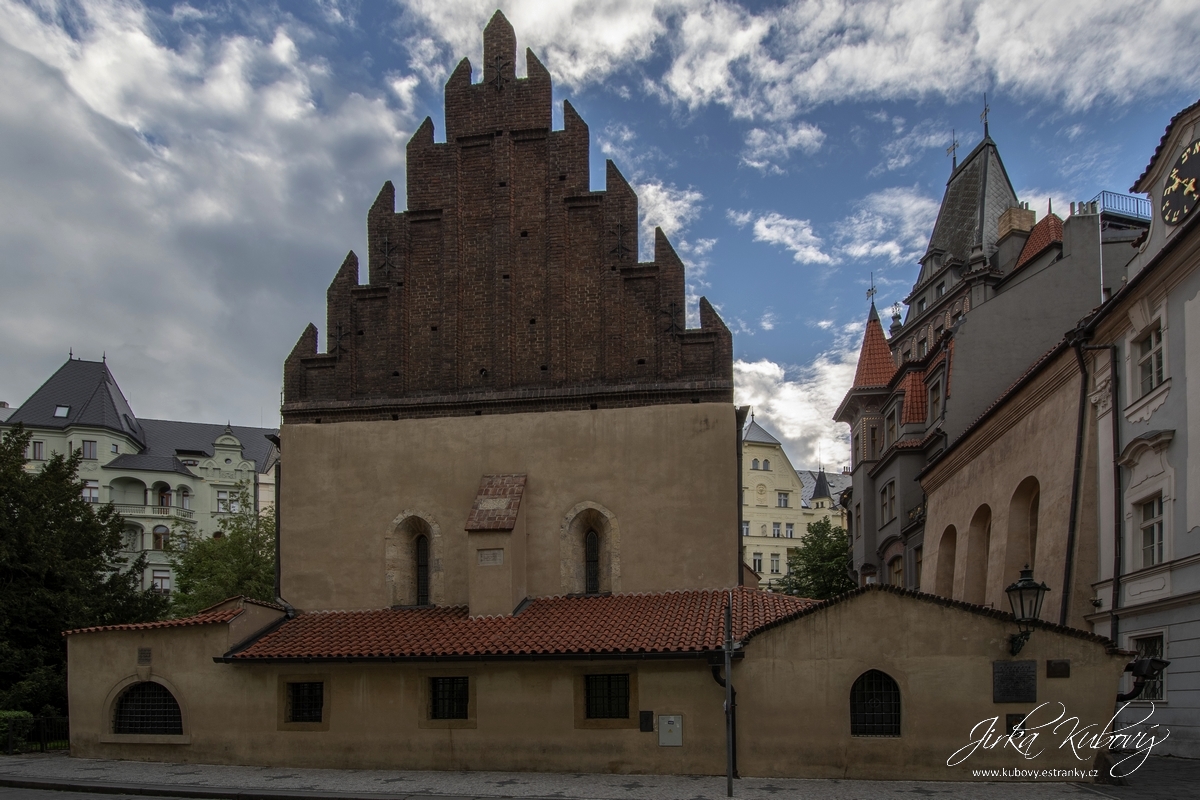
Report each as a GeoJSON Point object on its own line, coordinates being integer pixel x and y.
{"type": "Point", "coordinates": [507, 284]}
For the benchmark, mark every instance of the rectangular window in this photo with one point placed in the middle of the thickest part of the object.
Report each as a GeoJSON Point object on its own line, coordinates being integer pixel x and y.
{"type": "Point", "coordinates": [745, 528]}
{"type": "Point", "coordinates": [790, 530]}
{"type": "Point", "coordinates": [774, 563]}
{"type": "Point", "coordinates": [855, 455]}
{"type": "Point", "coordinates": [874, 453]}
{"type": "Point", "coordinates": [227, 502]}
{"type": "Point", "coordinates": [160, 581]}
{"type": "Point", "coordinates": [891, 430]}
{"type": "Point", "coordinates": [89, 449]}
{"type": "Point", "coordinates": [896, 572]}
{"type": "Point", "coordinates": [941, 289]}
{"type": "Point", "coordinates": [448, 697]}
{"type": "Point", "coordinates": [775, 529]}
{"type": "Point", "coordinates": [922, 348]}
{"type": "Point", "coordinates": [857, 520]}
{"type": "Point", "coordinates": [305, 702]}
{"type": "Point", "coordinates": [91, 491]}
{"type": "Point", "coordinates": [1151, 647]}
{"type": "Point", "coordinates": [782, 499]}
{"type": "Point", "coordinates": [887, 502]}
{"type": "Point", "coordinates": [1150, 359]}
{"type": "Point", "coordinates": [116, 448]}
{"type": "Point", "coordinates": [62, 411]}
{"type": "Point", "coordinates": [935, 402]}
{"type": "Point", "coordinates": [607, 696]}
{"type": "Point", "coordinates": [1151, 523]}
{"type": "Point", "coordinates": [39, 451]}
{"type": "Point", "coordinates": [921, 305]}
{"type": "Point", "coordinates": [756, 564]}
{"type": "Point", "coordinates": [917, 568]}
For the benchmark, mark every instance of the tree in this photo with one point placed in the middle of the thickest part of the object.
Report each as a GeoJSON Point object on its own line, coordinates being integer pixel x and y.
{"type": "Point", "coordinates": [241, 561]}
{"type": "Point", "coordinates": [817, 568]}
{"type": "Point", "coordinates": [60, 568]}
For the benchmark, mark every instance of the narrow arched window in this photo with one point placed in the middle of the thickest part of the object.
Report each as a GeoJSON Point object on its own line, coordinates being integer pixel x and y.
{"type": "Point", "coordinates": [754, 464]}
{"type": "Point", "coordinates": [162, 537]}
{"type": "Point", "coordinates": [422, 545]}
{"type": "Point", "coordinates": [766, 463]}
{"type": "Point", "coordinates": [591, 561]}
{"type": "Point", "coordinates": [148, 708]}
{"type": "Point", "coordinates": [875, 705]}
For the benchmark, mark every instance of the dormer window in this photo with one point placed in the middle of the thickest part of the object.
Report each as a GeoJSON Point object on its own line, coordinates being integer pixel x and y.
{"type": "Point", "coordinates": [62, 411]}
{"type": "Point", "coordinates": [921, 306]}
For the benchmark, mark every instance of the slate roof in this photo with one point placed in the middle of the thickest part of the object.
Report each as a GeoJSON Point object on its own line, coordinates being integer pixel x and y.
{"type": "Point", "coordinates": [837, 482]}
{"type": "Point", "coordinates": [1163, 143]}
{"type": "Point", "coordinates": [821, 486]}
{"type": "Point", "coordinates": [688, 622]}
{"type": "Point", "coordinates": [91, 394]}
{"type": "Point", "coordinates": [756, 433]}
{"type": "Point", "coordinates": [94, 399]}
{"type": "Point", "coordinates": [875, 365]}
{"type": "Point", "coordinates": [1048, 231]}
{"type": "Point", "coordinates": [976, 194]}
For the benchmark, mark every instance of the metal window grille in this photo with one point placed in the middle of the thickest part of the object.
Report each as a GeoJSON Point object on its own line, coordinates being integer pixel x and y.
{"type": "Point", "coordinates": [144, 656]}
{"type": "Point", "coordinates": [875, 705]}
{"type": "Point", "coordinates": [147, 708]}
{"type": "Point", "coordinates": [305, 701]}
{"type": "Point", "coordinates": [591, 557]}
{"type": "Point", "coordinates": [607, 696]}
{"type": "Point", "coordinates": [1151, 647]}
{"type": "Point", "coordinates": [422, 571]}
{"type": "Point", "coordinates": [449, 698]}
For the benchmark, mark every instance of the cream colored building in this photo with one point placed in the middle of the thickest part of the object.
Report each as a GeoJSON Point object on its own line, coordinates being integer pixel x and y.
{"type": "Point", "coordinates": [779, 502]}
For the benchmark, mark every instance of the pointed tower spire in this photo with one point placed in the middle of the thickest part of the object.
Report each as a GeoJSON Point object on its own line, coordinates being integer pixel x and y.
{"type": "Point", "coordinates": [875, 365]}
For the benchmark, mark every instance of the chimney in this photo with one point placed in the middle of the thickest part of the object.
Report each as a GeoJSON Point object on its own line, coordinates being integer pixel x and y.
{"type": "Point", "coordinates": [496, 547]}
{"type": "Point", "coordinates": [1016, 219]}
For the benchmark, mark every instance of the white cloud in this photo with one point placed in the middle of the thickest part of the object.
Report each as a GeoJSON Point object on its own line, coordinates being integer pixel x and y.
{"type": "Point", "coordinates": [795, 235]}
{"type": "Point", "coordinates": [667, 207]}
{"type": "Point", "coordinates": [767, 321]}
{"type": "Point", "coordinates": [766, 149]}
{"type": "Point", "coordinates": [893, 223]}
{"type": "Point", "coordinates": [904, 150]}
{"type": "Point", "coordinates": [188, 187]}
{"type": "Point", "coordinates": [740, 219]}
{"type": "Point", "coordinates": [798, 403]}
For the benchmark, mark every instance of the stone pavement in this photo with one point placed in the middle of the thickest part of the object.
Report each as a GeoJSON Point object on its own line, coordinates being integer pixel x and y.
{"type": "Point", "coordinates": [1160, 779]}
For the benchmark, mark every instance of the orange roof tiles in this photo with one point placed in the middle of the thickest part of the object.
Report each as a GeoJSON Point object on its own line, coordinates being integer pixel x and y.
{"type": "Point", "coordinates": [1048, 231]}
{"type": "Point", "coordinates": [203, 618]}
{"type": "Point", "coordinates": [670, 622]}
{"type": "Point", "coordinates": [915, 402]}
{"type": "Point", "coordinates": [875, 365]}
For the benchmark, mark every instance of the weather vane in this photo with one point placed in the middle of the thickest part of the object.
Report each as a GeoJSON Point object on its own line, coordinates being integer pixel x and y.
{"type": "Point", "coordinates": [871, 291]}
{"type": "Point", "coordinates": [952, 150]}
{"type": "Point", "coordinates": [984, 116]}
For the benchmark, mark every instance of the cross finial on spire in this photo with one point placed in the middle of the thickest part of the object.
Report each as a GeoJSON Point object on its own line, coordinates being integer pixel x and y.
{"type": "Point", "coordinates": [952, 150]}
{"type": "Point", "coordinates": [871, 291]}
{"type": "Point", "coordinates": [984, 116]}
{"type": "Point", "coordinates": [71, 354]}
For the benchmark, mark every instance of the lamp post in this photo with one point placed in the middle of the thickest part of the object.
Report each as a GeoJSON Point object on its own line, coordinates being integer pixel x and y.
{"type": "Point", "coordinates": [1025, 596]}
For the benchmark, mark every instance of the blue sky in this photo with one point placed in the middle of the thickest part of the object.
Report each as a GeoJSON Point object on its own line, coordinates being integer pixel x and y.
{"type": "Point", "coordinates": [181, 181]}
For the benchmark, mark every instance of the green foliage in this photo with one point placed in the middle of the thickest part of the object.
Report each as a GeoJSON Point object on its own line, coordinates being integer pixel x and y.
{"type": "Point", "coordinates": [240, 562]}
{"type": "Point", "coordinates": [818, 567]}
{"type": "Point", "coordinates": [60, 568]}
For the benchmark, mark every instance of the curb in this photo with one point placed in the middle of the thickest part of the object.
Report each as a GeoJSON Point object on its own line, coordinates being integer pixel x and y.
{"type": "Point", "coordinates": [223, 793]}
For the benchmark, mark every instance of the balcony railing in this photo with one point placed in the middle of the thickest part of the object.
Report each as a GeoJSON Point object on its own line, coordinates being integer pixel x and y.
{"type": "Point", "coordinates": [1124, 204]}
{"type": "Point", "coordinates": [164, 512]}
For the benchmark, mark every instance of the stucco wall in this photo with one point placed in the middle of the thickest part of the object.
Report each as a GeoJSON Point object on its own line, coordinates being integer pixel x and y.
{"type": "Point", "coordinates": [668, 474]}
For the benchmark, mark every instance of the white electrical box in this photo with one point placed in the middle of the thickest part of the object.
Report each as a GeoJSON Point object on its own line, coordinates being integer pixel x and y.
{"type": "Point", "coordinates": [670, 730]}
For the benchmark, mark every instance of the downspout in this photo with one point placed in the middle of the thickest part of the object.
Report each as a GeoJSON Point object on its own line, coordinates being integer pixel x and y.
{"type": "Point", "coordinates": [291, 612]}
{"type": "Point", "coordinates": [740, 413]}
{"type": "Point", "coordinates": [716, 673]}
{"type": "Point", "coordinates": [1073, 523]}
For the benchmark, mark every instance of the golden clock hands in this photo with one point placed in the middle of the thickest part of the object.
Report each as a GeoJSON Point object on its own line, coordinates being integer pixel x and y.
{"type": "Point", "coordinates": [1189, 186]}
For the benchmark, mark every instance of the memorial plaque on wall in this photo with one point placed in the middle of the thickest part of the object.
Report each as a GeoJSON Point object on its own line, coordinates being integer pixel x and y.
{"type": "Point", "coordinates": [1014, 681]}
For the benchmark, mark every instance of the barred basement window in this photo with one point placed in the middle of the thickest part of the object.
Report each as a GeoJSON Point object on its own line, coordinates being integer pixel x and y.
{"type": "Point", "coordinates": [422, 570]}
{"type": "Point", "coordinates": [591, 546]}
{"type": "Point", "coordinates": [607, 696]}
{"type": "Point", "coordinates": [305, 702]}
{"type": "Point", "coordinates": [148, 708]}
{"type": "Point", "coordinates": [875, 705]}
{"type": "Point", "coordinates": [449, 698]}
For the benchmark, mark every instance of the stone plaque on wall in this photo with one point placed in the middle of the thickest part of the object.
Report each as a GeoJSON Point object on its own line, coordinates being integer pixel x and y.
{"type": "Point", "coordinates": [1014, 681]}
{"type": "Point", "coordinates": [492, 557]}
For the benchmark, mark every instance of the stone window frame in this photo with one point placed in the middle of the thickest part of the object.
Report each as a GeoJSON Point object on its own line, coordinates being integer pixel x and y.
{"type": "Point", "coordinates": [425, 677]}
{"type": "Point", "coordinates": [582, 517]}
{"type": "Point", "coordinates": [1131, 639]}
{"type": "Point", "coordinates": [1161, 484]}
{"type": "Point", "coordinates": [281, 701]}
{"type": "Point", "coordinates": [580, 691]}
{"type": "Point", "coordinates": [110, 707]}
{"type": "Point", "coordinates": [400, 558]}
{"type": "Point", "coordinates": [1143, 317]}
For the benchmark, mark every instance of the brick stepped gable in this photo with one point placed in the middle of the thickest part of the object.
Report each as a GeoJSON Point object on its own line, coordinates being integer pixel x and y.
{"type": "Point", "coordinates": [507, 285]}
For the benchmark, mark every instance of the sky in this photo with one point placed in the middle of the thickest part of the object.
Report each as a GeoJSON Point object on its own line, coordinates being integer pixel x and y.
{"type": "Point", "coordinates": [179, 182]}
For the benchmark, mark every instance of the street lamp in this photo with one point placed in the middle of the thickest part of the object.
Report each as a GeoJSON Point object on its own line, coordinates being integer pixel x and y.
{"type": "Point", "coordinates": [1025, 596]}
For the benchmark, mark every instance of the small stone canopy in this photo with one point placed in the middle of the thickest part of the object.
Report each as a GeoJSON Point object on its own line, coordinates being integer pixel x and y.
{"type": "Point", "coordinates": [497, 504]}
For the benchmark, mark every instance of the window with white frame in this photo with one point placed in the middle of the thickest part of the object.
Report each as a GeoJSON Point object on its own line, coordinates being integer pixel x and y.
{"type": "Point", "coordinates": [1150, 360]}
{"type": "Point", "coordinates": [227, 501]}
{"type": "Point", "coordinates": [781, 498]}
{"type": "Point", "coordinates": [774, 563]}
{"type": "Point", "coordinates": [756, 563]}
{"type": "Point", "coordinates": [1150, 522]}
{"type": "Point", "coordinates": [1151, 647]}
{"type": "Point", "coordinates": [790, 530]}
{"type": "Point", "coordinates": [745, 528]}
{"type": "Point", "coordinates": [775, 530]}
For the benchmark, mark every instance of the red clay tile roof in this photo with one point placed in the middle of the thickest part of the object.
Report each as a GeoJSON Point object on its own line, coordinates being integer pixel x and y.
{"type": "Point", "coordinates": [1048, 231]}
{"type": "Point", "coordinates": [875, 365]}
{"type": "Point", "coordinates": [915, 401]}
{"type": "Point", "coordinates": [662, 623]}
{"type": "Point", "coordinates": [203, 618]}
{"type": "Point", "coordinates": [497, 503]}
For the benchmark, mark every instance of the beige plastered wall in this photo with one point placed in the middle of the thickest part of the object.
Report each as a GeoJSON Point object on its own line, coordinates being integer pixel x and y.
{"type": "Point", "coordinates": [796, 679]}
{"type": "Point", "coordinates": [1031, 435]}
{"type": "Point", "coordinates": [667, 474]}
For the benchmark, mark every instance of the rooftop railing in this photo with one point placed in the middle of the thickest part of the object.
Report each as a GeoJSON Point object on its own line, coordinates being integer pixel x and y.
{"type": "Point", "coordinates": [1124, 204]}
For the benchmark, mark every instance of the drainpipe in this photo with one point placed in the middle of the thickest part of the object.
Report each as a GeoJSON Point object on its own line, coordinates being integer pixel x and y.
{"type": "Point", "coordinates": [291, 612]}
{"type": "Point", "coordinates": [740, 412]}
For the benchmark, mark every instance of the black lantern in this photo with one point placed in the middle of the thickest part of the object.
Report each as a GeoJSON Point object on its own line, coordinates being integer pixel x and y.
{"type": "Point", "coordinates": [1025, 596]}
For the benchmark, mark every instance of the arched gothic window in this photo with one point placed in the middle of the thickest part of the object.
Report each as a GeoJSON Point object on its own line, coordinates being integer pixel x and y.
{"type": "Point", "coordinates": [875, 705]}
{"type": "Point", "coordinates": [591, 563]}
{"type": "Point", "coordinates": [148, 708]}
{"type": "Point", "coordinates": [422, 546]}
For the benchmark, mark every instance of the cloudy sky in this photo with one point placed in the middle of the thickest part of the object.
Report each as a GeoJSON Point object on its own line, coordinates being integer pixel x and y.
{"type": "Point", "coordinates": [180, 181]}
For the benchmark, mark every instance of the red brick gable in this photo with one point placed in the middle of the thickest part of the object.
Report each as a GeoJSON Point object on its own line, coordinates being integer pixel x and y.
{"type": "Point", "coordinates": [622, 624]}
{"type": "Point", "coordinates": [507, 284]}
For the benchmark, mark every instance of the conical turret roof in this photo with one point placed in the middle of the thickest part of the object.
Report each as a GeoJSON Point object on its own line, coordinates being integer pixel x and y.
{"type": "Point", "coordinates": [875, 365]}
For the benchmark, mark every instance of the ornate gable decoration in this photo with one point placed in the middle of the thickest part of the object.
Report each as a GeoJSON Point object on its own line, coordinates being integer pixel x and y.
{"type": "Point", "coordinates": [507, 285]}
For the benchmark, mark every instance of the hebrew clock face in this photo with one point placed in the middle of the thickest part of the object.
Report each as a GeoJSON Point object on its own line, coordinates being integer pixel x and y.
{"type": "Point", "coordinates": [1179, 193]}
